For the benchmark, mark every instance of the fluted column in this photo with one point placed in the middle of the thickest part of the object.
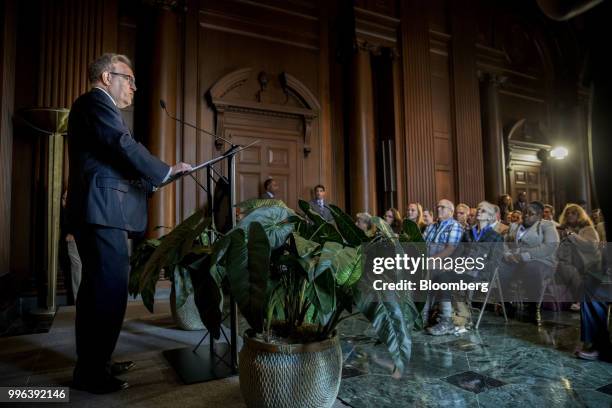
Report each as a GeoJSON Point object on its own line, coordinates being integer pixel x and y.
{"type": "Point", "coordinates": [162, 134]}
{"type": "Point", "coordinates": [8, 40]}
{"type": "Point", "coordinates": [494, 155]}
{"type": "Point", "coordinates": [362, 142]}
{"type": "Point", "coordinates": [418, 110]}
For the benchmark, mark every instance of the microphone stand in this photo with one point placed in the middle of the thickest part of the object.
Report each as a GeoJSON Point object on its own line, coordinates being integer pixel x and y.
{"type": "Point", "coordinates": [191, 365]}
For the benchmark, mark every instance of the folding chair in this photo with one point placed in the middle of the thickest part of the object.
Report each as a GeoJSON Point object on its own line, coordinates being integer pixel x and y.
{"type": "Point", "coordinates": [493, 282]}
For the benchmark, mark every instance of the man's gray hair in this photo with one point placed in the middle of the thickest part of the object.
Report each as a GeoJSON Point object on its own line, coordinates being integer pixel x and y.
{"type": "Point", "coordinates": [104, 63]}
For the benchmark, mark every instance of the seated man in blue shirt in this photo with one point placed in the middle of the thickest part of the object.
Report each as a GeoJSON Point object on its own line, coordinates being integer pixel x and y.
{"type": "Point", "coordinates": [442, 241]}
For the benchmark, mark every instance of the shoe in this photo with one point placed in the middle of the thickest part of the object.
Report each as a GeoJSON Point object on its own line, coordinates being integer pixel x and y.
{"type": "Point", "coordinates": [575, 307]}
{"type": "Point", "coordinates": [99, 385]}
{"type": "Point", "coordinates": [121, 367]}
{"type": "Point", "coordinates": [444, 326]}
{"type": "Point", "coordinates": [592, 355]}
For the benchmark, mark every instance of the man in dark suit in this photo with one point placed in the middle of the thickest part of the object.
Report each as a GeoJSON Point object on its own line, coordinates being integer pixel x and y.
{"type": "Point", "coordinates": [111, 175]}
{"type": "Point", "coordinates": [319, 205]}
{"type": "Point", "coordinates": [271, 188]}
{"type": "Point", "coordinates": [521, 202]}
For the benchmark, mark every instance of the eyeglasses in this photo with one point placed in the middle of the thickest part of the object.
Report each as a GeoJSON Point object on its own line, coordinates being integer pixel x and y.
{"type": "Point", "coordinates": [441, 206]}
{"type": "Point", "coordinates": [131, 80]}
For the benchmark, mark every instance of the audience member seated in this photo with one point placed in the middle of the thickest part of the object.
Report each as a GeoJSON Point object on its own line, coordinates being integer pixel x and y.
{"type": "Point", "coordinates": [598, 222]}
{"type": "Point", "coordinates": [415, 214]}
{"type": "Point", "coordinates": [578, 251]}
{"type": "Point", "coordinates": [442, 240]}
{"type": "Point", "coordinates": [498, 225]}
{"type": "Point", "coordinates": [531, 258]}
{"type": "Point", "coordinates": [483, 231]}
{"type": "Point", "coordinates": [471, 220]}
{"type": "Point", "coordinates": [462, 212]}
{"type": "Point", "coordinates": [516, 220]}
{"type": "Point", "coordinates": [505, 206]}
{"type": "Point", "coordinates": [364, 222]}
{"type": "Point", "coordinates": [394, 219]}
{"type": "Point", "coordinates": [549, 214]}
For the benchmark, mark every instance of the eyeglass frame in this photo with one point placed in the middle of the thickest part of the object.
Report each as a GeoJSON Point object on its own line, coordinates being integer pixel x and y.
{"type": "Point", "coordinates": [131, 80]}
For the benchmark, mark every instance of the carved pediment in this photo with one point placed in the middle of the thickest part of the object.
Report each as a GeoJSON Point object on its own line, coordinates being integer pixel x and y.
{"type": "Point", "coordinates": [262, 93]}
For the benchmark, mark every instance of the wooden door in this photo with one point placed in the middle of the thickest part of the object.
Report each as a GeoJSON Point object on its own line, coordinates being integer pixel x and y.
{"type": "Point", "coordinates": [526, 178]}
{"type": "Point", "coordinates": [277, 155]}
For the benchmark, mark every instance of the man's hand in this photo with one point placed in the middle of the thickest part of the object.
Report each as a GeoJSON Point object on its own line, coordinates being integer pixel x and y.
{"type": "Point", "coordinates": [69, 237]}
{"type": "Point", "coordinates": [179, 168]}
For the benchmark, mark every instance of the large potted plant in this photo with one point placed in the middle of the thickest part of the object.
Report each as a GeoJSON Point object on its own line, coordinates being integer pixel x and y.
{"type": "Point", "coordinates": [295, 279]}
{"type": "Point", "coordinates": [176, 255]}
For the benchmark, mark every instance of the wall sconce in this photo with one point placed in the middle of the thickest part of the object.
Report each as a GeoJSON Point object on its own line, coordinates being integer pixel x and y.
{"type": "Point", "coordinates": [559, 153]}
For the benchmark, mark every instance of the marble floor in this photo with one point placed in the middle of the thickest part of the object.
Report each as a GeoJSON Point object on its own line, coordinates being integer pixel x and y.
{"type": "Point", "coordinates": [514, 364]}
{"type": "Point", "coordinates": [500, 365]}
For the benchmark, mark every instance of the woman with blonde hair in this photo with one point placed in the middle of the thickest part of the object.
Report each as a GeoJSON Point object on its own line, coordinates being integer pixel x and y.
{"type": "Point", "coordinates": [578, 249]}
{"type": "Point", "coordinates": [415, 214]}
{"type": "Point", "coordinates": [580, 265]}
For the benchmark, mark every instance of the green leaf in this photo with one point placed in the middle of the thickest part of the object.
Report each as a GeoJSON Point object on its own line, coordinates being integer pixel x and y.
{"type": "Point", "coordinates": [208, 297]}
{"type": "Point", "coordinates": [171, 250]}
{"type": "Point", "coordinates": [183, 287]}
{"type": "Point", "coordinates": [311, 315]}
{"type": "Point", "coordinates": [326, 259]}
{"type": "Point", "coordinates": [275, 310]}
{"type": "Point", "coordinates": [139, 259]}
{"type": "Point", "coordinates": [314, 216]}
{"type": "Point", "coordinates": [412, 231]}
{"type": "Point", "coordinates": [313, 297]}
{"type": "Point", "coordinates": [353, 235]}
{"type": "Point", "coordinates": [274, 221]}
{"type": "Point", "coordinates": [347, 266]}
{"type": "Point", "coordinates": [325, 289]}
{"type": "Point", "coordinates": [389, 322]}
{"type": "Point", "coordinates": [302, 226]}
{"type": "Point", "coordinates": [304, 246]}
{"type": "Point", "coordinates": [322, 230]}
{"type": "Point", "coordinates": [251, 204]}
{"type": "Point", "coordinates": [248, 269]}
{"type": "Point", "coordinates": [384, 228]}
{"type": "Point", "coordinates": [219, 249]}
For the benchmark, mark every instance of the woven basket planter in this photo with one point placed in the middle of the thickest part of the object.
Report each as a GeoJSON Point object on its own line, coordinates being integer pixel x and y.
{"type": "Point", "coordinates": [290, 376]}
{"type": "Point", "coordinates": [187, 316]}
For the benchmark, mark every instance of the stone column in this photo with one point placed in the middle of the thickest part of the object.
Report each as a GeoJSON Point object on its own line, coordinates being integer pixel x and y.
{"type": "Point", "coordinates": [493, 146]}
{"type": "Point", "coordinates": [581, 150]}
{"type": "Point", "coordinates": [162, 129]}
{"type": "Point", "coordinates": [362, 139]}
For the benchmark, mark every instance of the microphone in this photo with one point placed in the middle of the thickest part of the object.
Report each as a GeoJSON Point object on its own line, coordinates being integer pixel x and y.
{"type": "Point", "coordinates": [162, 103]}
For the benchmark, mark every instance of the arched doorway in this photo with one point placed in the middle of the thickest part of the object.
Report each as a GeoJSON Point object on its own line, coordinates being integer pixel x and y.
{"type": "Point", "coordinates": [278, 111]}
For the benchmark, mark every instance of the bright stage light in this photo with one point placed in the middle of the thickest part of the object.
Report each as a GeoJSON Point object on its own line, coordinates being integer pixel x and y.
{"type": "Point", "coordinates": [559, 153]}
